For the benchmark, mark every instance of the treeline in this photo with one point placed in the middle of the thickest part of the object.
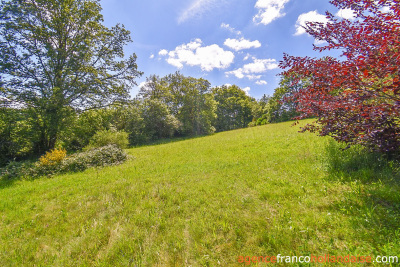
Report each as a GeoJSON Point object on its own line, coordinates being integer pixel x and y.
{"type": "Point", "coordinates": [166, 107]}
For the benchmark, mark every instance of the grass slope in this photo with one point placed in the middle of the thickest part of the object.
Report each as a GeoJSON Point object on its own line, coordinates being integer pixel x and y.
{"type": "Point", "coordinates": [206, 201]}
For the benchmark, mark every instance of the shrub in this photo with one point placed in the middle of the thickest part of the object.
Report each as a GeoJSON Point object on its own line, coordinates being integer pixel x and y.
{"type": "Point", "coordinates": [108, 137]}
{"type": "Point", "coordinates": [51, 163]}
{"type": "Point", "coordinates": [53, 157]}
{"type": "Point", "coordinates": [98, 157]}
{"type": "Point", "coordinates": [16, 169]}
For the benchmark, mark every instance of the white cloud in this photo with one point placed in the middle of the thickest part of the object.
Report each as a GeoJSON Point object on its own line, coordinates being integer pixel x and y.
{"type": "Point", "coordinates": [151, 56]}
{"type": "Point", "coordinates": [269, 10]}
{"type": "Point", "coordinates": [163, 52]}
{"type": "Point", "coordinates": [320, 42]}
{"type": "Point", "coordinates": [238, 73]}
{"type": "Point", "coordinates": [231, 29]}
{"type": "Point", "coordinates": [253, 77]}
{"type": "Point", "coordinates": [261, 82]}
{"type": "Point", "coordinates": [385, 9]}
{"type": "Point", "coordinates": [312, 16]}
{"type": "Point", "coordinates": [194, 54]}
{"type": "Point", "coordinates": [241, 44]}
{"type": "Point", "coordinates": [198, 8]}
{"type": "Point", "coordinates": [247, 90]}
{"type": "Point", "coordinates": [346, 13]}
{"type": "Point", "coordinates": [142, 84]}
{"type": "Point", "coordinates": [246, 57]}
{"type": "Point", "coordinates": [256, 67]}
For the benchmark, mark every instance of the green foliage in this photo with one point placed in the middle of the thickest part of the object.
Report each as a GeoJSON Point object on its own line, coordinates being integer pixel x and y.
{"type": "Point", "coordinates": [108, 137]}
{"type": "Point", "coordinates": [259, 121]}
{"type": "Point", "coordinates": [234, 110]}
{"type": "Point", "coordinates": [55, 162]}
{"type": "Point", "coordinates": [18, 169]}
{"type": "Point", "coordinates": [278, 110]}
{"type": "Point", "coordinates": [158, 122]}
{"type": "Point", "coordinates": [83, 126]}
{"type": "Point", "coordinates": [258, 107]}
{"type": "Point", "coordinates": [129, 118]}
{"type": "Point", "coordinates": [57, 55]}
{"type": "Point", "coordinates": [16, 135]}
{"type": "Point", "coordinates": [197, 106]}
{"type": "Point", "coordinates": [103, 156]}
{"type": "Point", "coordinates": [188, 99]}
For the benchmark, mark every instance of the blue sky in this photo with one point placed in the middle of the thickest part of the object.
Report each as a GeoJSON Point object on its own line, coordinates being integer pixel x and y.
{"type": "Point", "coordinates": [224, 41]}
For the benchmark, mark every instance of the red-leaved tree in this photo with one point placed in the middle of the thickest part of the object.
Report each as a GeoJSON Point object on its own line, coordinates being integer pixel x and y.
{"type": "Point", "coordinates": [356, 98]}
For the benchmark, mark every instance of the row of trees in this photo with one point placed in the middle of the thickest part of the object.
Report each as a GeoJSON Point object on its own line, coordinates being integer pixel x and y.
{"type": "Point", "coordinates": [171, 106]}
{"type": "Point", "coordinates": [64, 76]}
{"type": "Point", "coordinates": [61, 67]}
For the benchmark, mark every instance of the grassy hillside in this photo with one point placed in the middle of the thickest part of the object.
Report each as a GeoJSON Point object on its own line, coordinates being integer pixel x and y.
{"type": "Point", "coordinates": [206, 201]}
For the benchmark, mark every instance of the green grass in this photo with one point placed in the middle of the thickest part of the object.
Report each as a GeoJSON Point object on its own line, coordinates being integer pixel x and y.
{"type": "Point", "coordinates": [204, 202]}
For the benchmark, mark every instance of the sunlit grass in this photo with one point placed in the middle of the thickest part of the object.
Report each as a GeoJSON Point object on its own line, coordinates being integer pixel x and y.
{"type": "Point", "coordinates": [206, 201]}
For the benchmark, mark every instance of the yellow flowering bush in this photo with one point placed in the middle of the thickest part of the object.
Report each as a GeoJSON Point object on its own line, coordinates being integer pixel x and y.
{"type": "Point", "coordinates": [53, 157]}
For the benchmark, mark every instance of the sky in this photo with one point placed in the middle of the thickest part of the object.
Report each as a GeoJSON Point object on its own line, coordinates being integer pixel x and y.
{"type": "Point", "coordinates": [224, 41]}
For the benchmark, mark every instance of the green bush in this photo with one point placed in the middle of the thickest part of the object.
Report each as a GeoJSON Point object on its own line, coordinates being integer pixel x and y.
{"type": "Point", "coordinates": [16, 135]}
{"type": "Point", "coordinates": [98, 157]}
{"type": "Point", "coordinates": [16, 169]}
{"type": "Point", "coordinates": [108, 137]}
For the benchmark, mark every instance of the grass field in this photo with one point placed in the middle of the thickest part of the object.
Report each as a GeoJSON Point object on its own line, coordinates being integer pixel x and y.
{"type": "Point", "coordinates": [206, 201]}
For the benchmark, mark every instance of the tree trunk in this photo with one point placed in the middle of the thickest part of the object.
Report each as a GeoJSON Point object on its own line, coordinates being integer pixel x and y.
{"type": "Point", "coordinates": [48, 124]}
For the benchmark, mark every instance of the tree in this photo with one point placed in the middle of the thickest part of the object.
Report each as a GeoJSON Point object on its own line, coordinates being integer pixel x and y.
{"type": "Point", "coordinates": [84, 126]}
{"type": "Point", "coordinates": [234, 108]}
{"type": "Point", "coordinates": [264, 100]}
{"type": "Point", "coordinates": [281, 106]}
{"type": "Point", "coordinates": [196, 106]}
{"type": "Point", "coordinates": [158, 121]}
{"type": "Point", "coordinates": [188, 99]}
{"type": "Point", "coordinates": [56, 56]}
{"type": "Point", "coordinates": [14, 134]}
{"type": "Point", "coordinates": [357, 99]}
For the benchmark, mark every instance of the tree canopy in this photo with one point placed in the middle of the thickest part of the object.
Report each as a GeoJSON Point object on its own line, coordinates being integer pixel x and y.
{"type": "Point", "coordinates": [188, 99]}
{"type": "Point", "coordinates": [356, 98]}
{"type": "Point", "coordinates": [234, 108]}
{"type": "Point", "coordinates": [57, 55]}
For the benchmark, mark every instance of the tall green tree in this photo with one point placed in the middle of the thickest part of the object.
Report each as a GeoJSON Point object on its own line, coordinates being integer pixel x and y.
{"type": "Point", "coordinates": [58, 56]}
{"type": "Point", "coordinates": [279, 108]}
{"type": "Point", "coordinates": [158, 122]}
{"type": "Point", "coordinates": [194, 105]}
{"type": "Point", "coordinates": [188, 99]}
{"type": "Point", "coordinates": [234, 109]}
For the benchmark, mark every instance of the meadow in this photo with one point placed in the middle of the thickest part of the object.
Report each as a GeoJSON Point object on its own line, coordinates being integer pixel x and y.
{"type": "Point", "coordinates": [207, 201]}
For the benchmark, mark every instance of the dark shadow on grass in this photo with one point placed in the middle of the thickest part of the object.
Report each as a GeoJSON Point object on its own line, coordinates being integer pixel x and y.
{"type": "Point", "coordinates": [14, 172]}
{"type": "Point", "coordinates": [373, 202]}
{"type": "Point", "coordinates": [4, 183]}
{"type": "Point", "coordinates": [357, 163]}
